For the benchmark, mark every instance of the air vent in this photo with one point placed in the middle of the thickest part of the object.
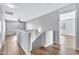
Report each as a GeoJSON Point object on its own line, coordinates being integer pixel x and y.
{"type": "Point", "coordinates": [8, 12]}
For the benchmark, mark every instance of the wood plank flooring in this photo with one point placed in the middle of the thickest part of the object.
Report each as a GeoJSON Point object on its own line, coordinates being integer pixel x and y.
{"type": "Point", "coordinates": [67, 47]}
{"type": "Point", "coordinates": [54, 51]}
{"type": "Point", "coordinates": [45, 51]}
{"type": "Point", "coordinates": [11, 47]}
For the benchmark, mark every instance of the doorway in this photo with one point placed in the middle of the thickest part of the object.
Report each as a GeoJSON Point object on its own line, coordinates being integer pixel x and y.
{"type": "Point", "coordinates": [67, 30]}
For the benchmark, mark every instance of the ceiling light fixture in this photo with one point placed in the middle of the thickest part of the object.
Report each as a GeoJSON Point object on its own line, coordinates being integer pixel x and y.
{"type": "Point", "coordinates": [10, 5]}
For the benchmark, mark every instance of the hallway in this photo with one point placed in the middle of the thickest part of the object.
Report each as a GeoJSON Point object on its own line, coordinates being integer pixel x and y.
{"type": "Point", "coordinates": [11, 47]}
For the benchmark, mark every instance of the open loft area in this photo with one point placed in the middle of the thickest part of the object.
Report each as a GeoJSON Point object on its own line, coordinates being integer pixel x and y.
{"type": "Point", "coordinates": [39, 29]}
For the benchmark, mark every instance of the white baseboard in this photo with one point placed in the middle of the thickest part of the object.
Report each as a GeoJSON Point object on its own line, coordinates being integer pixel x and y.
{"type": "Point", "coordinates": [68, 35]}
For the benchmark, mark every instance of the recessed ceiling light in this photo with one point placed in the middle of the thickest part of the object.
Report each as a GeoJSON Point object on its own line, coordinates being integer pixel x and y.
{"type": "Point", "coordinates": [10, 5]}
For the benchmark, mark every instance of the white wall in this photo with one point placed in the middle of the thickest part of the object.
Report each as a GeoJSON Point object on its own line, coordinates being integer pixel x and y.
{"type": "Point", "coordinates": [13, 26]}
{"type": "Point", "coordinates": [46, 22]}
{"type": "Point", "coordinates": [0, 22]}
{"type": "Point", "coordinates": [24, 40]}
{"type": "Point", "coordinates": [2, 26]}
{"type": "Point", "coordinates": [0, 33]}
{"type": "Point", "coordinates": [49, 38]}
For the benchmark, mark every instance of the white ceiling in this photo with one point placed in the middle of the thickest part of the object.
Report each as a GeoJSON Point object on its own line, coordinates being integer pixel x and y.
{"type": "Point", "coordinates": [28, 11]}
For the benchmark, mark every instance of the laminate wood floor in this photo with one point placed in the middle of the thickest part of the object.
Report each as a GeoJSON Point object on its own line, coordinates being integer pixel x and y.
{"type": "Point", "coordinates": [11, 47]}
{"type": "Point", "coordinates": [66, 47]}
